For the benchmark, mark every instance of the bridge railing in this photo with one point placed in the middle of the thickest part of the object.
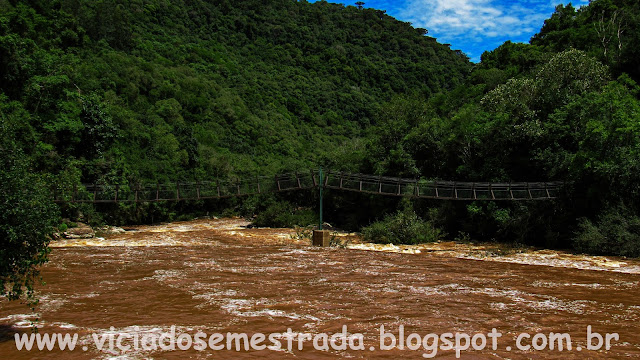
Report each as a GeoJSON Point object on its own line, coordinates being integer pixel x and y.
{"type": "Point", "coordinates": [108, 193]}
{"type": "Point", "coordinates": [445, 190]}
{"type": "Point", "coordinates": [381, 185]}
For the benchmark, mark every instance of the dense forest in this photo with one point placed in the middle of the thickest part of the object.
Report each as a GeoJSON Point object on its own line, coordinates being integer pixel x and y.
{"type": "Point", "coordinates": [123, 92]}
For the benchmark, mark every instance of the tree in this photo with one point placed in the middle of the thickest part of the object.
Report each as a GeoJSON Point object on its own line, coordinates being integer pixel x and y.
{"type": "Point", "coordinates": [27, 215]}
{"type": "Point", "coordinates": [99, 131]}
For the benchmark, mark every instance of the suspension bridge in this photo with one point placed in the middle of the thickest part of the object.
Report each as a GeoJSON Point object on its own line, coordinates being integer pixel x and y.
{"type": "Point", "coordinates": [338, 180]}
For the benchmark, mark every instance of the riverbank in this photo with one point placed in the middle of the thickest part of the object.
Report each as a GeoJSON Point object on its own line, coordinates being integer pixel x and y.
{"type": "Point", "coordinates": [201, 232]}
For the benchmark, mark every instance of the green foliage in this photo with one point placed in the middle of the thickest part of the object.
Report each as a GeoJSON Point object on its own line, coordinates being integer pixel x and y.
{"type": "Point", "coordinates": [558, 119]}
{"type": "Point", "coordinates": [404, 227]}
{"type": "Point", "coordinates": [514, 98]}
{"type": "Point", "coordinates": [27, 217]}
{"type": "Point", "coordinates": [99, 131]}
{"type": "Point", "coordinates": [606, 29]}
{"type": "Point", "coordinates": [127, 92]}
{"type": "Point", "coordinates": [201, 89]}
{"type": "Point", "coordinates": [513, 58]}
{"type": "Point", "coordinates": [567, 75]}
{"type": "Point", "coordinates": [283, 214]}
{"type": "Point", "coordinates": [616, 231]}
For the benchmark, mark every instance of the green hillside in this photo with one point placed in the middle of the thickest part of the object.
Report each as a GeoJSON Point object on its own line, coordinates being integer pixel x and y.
{"type": "Point", "coordinates": [562, 108]}
{"type": "Point", "coordinates": [170, 90]}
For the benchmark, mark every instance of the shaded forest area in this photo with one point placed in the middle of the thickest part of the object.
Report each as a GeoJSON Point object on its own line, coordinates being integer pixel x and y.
{"type": "Point", "coordinates": [127, 92]}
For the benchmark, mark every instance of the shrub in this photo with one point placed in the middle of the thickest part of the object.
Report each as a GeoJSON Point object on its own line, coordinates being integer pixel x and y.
{"type": "Point", "coordinates": [302, 233]}
{"type": "Point", "coordinates": [616, 232]}
{"type": "Point", "coordinates": [28, 218]}
{"type": "Point", "coordinates": [404, 227]}
{"type": "Point", "coordinates": [284, 214]}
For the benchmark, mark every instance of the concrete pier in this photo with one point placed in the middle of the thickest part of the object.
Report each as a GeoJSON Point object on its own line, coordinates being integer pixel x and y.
{"type": "Point", "coordinates": [321, 238]}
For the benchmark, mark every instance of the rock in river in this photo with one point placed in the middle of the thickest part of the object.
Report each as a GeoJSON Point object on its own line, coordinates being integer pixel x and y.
{"type": "Point", "coordinates": [82, 231]}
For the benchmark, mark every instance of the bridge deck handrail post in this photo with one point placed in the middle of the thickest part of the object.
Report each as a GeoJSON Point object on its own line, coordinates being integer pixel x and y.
{"type": "Point", "coordinates": [546, 188]}
{"type": "Point", "coordinates": [511, 191]}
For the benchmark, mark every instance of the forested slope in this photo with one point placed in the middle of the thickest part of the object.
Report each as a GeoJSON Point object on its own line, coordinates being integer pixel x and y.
{"type": "Point", "coordinates": [186, 90]}
{"type": "Point", "coordinates": [563, 108]}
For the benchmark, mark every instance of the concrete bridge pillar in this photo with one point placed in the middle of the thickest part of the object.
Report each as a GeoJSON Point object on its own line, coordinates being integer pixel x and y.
{"type": "Point", "coordinates": [321, 238]}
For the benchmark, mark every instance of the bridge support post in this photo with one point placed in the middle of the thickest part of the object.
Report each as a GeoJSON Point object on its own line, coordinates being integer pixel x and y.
{"type": "Point", "coordinates": [321, 238]}
{"type": "Point", "coordinates": [320, 222]}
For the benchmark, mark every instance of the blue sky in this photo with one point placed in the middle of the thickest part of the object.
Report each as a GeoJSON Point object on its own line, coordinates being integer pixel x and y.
{"type": "Point", "coordinates": [472, 26]}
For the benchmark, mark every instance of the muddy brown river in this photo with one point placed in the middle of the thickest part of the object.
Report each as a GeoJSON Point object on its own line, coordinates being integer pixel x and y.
{"type": "Point", "coordinates": [215, 276]}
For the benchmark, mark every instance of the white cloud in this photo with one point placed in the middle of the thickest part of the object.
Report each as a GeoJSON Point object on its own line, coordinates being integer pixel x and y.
{"type": "Point", "coordinates": [453, 19]}
{"type": "Point", "coordinates": [477, 25]}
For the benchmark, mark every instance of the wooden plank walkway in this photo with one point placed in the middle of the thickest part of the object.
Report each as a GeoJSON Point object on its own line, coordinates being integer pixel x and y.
{"type": "Point", "coordinates": [370, 184]}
